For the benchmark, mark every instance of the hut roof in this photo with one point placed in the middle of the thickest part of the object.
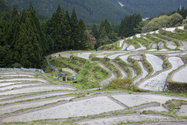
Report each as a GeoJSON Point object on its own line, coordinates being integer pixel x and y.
{"type": "Point", "coordinates": [62, 74]}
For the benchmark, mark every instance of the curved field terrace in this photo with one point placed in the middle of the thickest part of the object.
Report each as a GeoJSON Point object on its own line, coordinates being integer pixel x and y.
{"type": "Point", "coordinates": [32, 97]}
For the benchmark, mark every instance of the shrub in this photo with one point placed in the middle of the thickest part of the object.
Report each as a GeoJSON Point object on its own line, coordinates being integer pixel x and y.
{"type": "Point", "coordinates": [125, 83]}
{"type": "Point", "coordinates": [16, 65]}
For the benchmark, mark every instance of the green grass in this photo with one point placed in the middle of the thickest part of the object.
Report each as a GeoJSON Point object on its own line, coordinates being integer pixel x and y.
{"type": "Point", "coordinates": [184, 58]}
{"type": "Point", "coordinates": [125, 83]}
{"type": "Point", "coordinates": [113, 46]}
{"type": "Point", "coordinates": [162, 37]}
{"type": "Point", "coordinates": [135, 65]}
{"type": "Point", "coordinates": [166, 64]}
{"type": "Point", "coordinates": [147, 64]}
{"type": "Point", "coordinates": [124, 65]}
{"type": "Point", "coordinates": [179, 36]}
{"type": "Point", "coordinates": [133, 42]}
{"type": "Point", "coordinates": [144, 42]}
{"type": "Point", "coordinates": [174, 105]}
{"type": "Point", "coordinates": [90, 75]}
{"type": "Point", "coordinates": [109, 65]}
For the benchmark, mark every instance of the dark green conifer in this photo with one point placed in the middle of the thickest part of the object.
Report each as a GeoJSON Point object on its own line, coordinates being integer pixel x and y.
{"type": "Point", "coordinates": [75, 30]}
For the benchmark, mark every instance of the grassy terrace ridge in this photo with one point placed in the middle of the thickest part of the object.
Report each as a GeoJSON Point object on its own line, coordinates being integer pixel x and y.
{"type": "Point", "coordinates": [113, 46]}
{"type": "Point", "coordinates": [144, 42]}
{"type": "Point", "coordinates": [123, 64]}
{"type": "Point", "coordinates": [89, 74]}
{"type": "Point", "coordinates": [108, 64]}
{"type": "Point", "coordinates": [135, 65]}
{"type": "Point", "coordinates": [133, 42]}
{"type": "Point", "coordinates": [179, 36]}
{"type": "Point", "coordinates": [164, 57]}
{"type": "Point", "coordinates": [147, 65]}
{"type": "Point", "coordinates": [167, 39]}
{"type": "Point", "coordinates": [89, 92]}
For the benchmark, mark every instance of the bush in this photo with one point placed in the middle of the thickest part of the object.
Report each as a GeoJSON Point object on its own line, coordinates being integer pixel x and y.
{"type": "Point", "coordinates": [16, 65]}
{"type": "Point", "coordinates": [125, 83]}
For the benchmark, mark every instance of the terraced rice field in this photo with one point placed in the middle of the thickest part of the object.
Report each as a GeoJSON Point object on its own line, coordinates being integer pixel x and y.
{"type": "Point", "coordinates": [28, 96]}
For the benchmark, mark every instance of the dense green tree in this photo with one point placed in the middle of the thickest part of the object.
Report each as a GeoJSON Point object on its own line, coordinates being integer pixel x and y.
{"type": "Point", "coordinates": [75, 30]}
{"type": "Point", "coordinates": [4, 30]}
{"type": "Point", "coordinates": [82, 28]}
{"type": "Point", "coordinates": [101, 26]}
{"type": "Point", "coordinates": [23, 16]}
{"type": "Point", "coordinates": [24, 39]}
{"type": "Point", "coordinates": [5, 56]}
{"type": "Point", "coordinates": [107, 26]}
{"type": "Point", "coordinates": [103, 33]}
{"type": "Point", "coordinates": [129, 24]}
{"type": "Point", "coordinates": [94, 31]}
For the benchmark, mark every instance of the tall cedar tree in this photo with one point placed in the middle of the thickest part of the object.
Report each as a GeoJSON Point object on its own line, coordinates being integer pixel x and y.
{"type": "Point", "coordinates": [94, 31]}
{"type": "Point", "coordinates": [128, 24]}
{"type": "Point", "coordinates": [75, 30]}
{"type": "Point", "coordinates": [82, 37]}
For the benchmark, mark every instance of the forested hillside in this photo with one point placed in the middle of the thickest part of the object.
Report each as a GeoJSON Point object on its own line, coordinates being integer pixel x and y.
{"type": "Point", "coordinates": [24, 40]}
{"type": "Point", "coordinates": [92, 11]}
{"type": "Point", "coordinates": [148, 8]}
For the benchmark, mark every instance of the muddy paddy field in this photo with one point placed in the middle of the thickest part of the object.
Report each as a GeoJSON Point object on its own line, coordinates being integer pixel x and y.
{"type": "Point", "coordinates": [35, 98]}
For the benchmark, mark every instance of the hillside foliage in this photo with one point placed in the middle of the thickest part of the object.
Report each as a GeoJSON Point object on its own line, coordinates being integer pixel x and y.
{"type": "Point", "coordinates": [92, 11]}
{"type": "Point", "coordinates": [24, 40]}
{"type": "Point", "coordinates": [149, 8]}
{"type": "Point", "coordinates": [163, 21]}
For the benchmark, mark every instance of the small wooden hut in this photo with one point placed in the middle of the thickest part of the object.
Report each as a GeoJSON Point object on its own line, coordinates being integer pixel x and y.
{"type": "Point", "coordinates": [62, 76]}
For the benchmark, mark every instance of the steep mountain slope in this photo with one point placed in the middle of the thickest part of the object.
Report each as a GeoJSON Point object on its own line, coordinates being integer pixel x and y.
{"type": "Point", "coordinates": [92, 11]}
{"type": "Point", "coordinates": [148, 8]}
